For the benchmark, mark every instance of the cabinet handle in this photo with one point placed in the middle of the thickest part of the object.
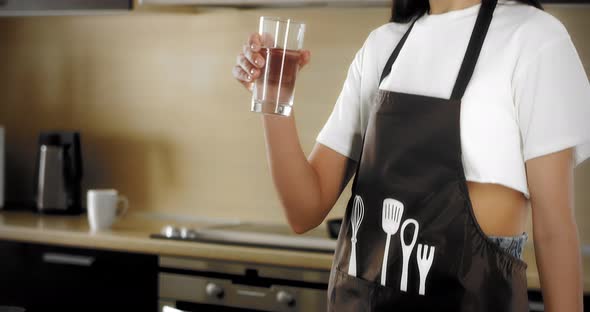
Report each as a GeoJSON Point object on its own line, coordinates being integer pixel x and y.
{"type": "Point", "coordinates": [535, 306]}
{"type": "Point", "coordinates": [59, 258]}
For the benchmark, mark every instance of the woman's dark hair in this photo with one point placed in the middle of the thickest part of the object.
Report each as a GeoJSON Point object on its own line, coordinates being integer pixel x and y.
{"type": "Point", "coordinates": [402, 11]}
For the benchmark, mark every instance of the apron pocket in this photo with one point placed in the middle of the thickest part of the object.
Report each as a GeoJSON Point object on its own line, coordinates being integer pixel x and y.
{"type": "Point", "coordinates": [350, 293]}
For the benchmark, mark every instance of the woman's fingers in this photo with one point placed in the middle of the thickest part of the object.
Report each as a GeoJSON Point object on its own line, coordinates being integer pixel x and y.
{"type": "Point", "coordinates": [252, 48]}
{"type": "Point", "coordinates": [245, 64]}
{"type": "Point", "coordinates": [250, 61]}
{"type": "Point", "coordinates": [305, 58]}
{"type": "Point", "coordinates": [253, 57]}
{"type": "Point", "coordinates": [242, 77]}
{"type": "Point", "coordinates": [255, 42]}
{"type": "Point", "coordinates": [240, 74]}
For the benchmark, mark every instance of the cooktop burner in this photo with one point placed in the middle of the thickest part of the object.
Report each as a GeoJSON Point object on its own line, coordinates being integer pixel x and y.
{"type": "Point", "coordinates": [255, 235]}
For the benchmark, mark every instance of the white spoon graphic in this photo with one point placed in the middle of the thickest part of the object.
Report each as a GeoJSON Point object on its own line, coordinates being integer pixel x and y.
{"type": "Point", "coordinates": [407, 251]}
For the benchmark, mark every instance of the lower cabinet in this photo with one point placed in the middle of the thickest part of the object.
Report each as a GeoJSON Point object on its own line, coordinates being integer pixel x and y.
{"type": "Point", "coordinates": [52, 278]}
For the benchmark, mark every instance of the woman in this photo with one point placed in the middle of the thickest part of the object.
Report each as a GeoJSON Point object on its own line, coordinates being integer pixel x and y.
{"type": "Point", "coordinates": [447, 155]}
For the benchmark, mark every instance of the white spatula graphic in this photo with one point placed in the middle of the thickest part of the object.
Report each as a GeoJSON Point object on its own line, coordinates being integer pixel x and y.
{"type": "Point", "coordinates": [391, 218]}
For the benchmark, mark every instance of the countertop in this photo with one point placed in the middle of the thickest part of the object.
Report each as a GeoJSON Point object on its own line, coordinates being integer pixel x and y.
{"type": "Point", "coordinates": [132, 234]}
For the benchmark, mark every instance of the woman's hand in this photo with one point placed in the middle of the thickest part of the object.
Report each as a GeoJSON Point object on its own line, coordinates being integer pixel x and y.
{"type": "Point", "coordinates": [250, 61]}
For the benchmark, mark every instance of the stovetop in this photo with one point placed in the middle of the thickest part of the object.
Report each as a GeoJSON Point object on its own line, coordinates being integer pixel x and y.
{"type": "Point", "coordinates": [253, 235]}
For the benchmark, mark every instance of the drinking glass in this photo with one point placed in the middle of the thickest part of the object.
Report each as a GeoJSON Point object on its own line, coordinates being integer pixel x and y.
{"type": "Point", "coordinates": [282, 41]}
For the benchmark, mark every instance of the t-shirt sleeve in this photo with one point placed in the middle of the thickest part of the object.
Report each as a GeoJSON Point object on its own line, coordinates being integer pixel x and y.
{"type": "Point", "coordinates": [342, 132]}
{"type": "Point", "coordinates": [552, 98]}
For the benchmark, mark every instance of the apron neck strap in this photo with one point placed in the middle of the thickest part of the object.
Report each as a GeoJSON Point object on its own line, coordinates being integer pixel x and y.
{"type": "Point", "coordinates": [478, 35]}
{"type": "Point", "coordinates": [394, 54]}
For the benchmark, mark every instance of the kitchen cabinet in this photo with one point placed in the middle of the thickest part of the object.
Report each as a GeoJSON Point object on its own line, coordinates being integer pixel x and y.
{"type": "Point", "coordinates": [359, 3]}
{"type": "Point", "coordinates": [62, 7]}
{"type": "Point", "coordinates": [53, 278]}
{"type": "Point", "coordinates": [268, 2]}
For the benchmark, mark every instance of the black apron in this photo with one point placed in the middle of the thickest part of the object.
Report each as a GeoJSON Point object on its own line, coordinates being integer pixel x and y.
{"type": "Point", "coordinates": [409, 240]}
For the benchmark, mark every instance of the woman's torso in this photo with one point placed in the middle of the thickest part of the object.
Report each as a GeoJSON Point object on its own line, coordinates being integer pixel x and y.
{"type": "Point", "coordinates": [500, 211]}
{"type": "Point", "coordinates": [411, 167]}
{"type": "Point", "coordinates": [492, 151]}
{"type": "Point", "coordinates": [491, 127]}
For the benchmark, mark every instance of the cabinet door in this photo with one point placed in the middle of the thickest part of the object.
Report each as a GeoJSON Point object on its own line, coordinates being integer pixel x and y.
{"type": "Point", "coordinates": [70, 279]}
{"type": "Point", "coordinates": [12, 274]}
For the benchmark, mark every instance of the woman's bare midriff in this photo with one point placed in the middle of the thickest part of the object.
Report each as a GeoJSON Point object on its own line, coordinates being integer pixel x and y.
{"type": "Point", "coordinates": [499, 210]}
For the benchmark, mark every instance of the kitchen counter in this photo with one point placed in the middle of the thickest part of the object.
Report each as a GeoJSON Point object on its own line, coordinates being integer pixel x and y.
{"type": "Point", "coordinates": [132, 232]}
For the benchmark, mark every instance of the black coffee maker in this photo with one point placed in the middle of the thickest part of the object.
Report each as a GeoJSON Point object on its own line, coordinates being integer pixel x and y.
{"type": "Point", "coordinates": [58, 173]}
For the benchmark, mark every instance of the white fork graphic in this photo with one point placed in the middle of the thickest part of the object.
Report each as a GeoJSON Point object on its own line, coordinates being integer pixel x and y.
{"type": "Point", "coordinates": [391, 218]}
{"type": "Point", "coordinates": [424, 259]}
{"type": "Point", "coordinates": [355, 220]}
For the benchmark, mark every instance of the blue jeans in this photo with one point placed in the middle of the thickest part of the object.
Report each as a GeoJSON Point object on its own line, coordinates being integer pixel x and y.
{"type": "Point", "coordinates": [512, 244]}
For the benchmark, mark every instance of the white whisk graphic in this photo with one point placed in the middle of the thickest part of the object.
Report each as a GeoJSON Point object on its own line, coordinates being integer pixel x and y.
{"type": "Point", "coordinates": [355, 220]}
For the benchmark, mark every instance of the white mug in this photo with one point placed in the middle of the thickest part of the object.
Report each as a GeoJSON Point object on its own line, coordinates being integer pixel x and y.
{"type": "Point", "coordinates": [103, 208]}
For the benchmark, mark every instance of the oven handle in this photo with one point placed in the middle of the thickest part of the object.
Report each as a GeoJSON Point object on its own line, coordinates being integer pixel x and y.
{"type": "Point", "coordinates": [61, 258]}
{"type": "Point", "coordinates": [536, 306]}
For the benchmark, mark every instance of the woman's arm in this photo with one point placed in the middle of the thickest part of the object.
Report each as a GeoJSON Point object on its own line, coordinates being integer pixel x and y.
{"type": "Point", "coordinates": [307, 189]}
{"type": "Point", "coordinates": [557, 247]}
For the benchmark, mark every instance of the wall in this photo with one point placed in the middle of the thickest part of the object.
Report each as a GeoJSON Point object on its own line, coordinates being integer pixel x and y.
{"type": "Point", "coordinates": [162, 119]}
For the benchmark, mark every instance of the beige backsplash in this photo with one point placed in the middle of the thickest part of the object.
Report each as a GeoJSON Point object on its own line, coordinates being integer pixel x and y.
{"type": "Point", "coordinates": [161, 117]}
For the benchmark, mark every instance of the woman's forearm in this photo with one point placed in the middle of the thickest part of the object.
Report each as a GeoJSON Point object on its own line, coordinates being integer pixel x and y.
{"type": "Point", "coordinates": [551, 184]}
{"type": "Point", "coordinates": [560, 270]}
{"type": "Point", "coordinates": [294, 178]}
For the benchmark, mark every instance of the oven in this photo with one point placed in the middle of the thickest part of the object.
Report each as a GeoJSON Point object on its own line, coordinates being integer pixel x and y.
{"type": "Point", "coordinates": [210, 285]}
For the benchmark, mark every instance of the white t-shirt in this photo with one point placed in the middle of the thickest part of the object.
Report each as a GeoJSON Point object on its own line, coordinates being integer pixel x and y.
{"type": "Point", "coordinates": [529, 95]}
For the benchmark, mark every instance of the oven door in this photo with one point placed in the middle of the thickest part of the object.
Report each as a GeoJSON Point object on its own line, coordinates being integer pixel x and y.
{"type": "Point", "coordinates": [182, 292]}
